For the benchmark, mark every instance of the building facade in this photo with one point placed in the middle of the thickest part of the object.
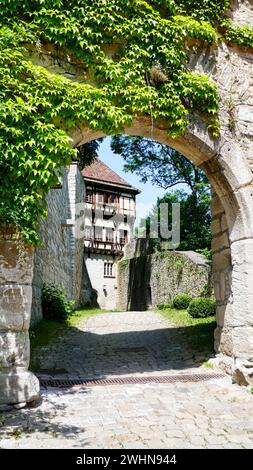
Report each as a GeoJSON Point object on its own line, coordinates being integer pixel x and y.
{"type": "Point", "coordinates": [110, 212]}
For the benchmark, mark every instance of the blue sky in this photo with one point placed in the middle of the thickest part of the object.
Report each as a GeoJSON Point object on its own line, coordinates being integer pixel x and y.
{"type": "Point", "coordinates": [149, 193]}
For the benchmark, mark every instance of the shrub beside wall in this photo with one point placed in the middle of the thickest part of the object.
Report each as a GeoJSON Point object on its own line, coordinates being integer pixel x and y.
{"type": "Point", "coordinates": [202, 307]}
{"type": "Point", "coordinates": [182, 301]}
{"type": "Point", "coordinates": [55, 306]}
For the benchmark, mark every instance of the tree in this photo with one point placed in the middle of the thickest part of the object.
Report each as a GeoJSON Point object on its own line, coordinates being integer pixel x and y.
{"type": "Point", "coordinates": [167, 168]}
{"type": "Point", "coordinates": [158, 163]}
{"type": "Point", "coordinates": [88, 152]}
{"type": "Point", "coordinates": [195, 221]}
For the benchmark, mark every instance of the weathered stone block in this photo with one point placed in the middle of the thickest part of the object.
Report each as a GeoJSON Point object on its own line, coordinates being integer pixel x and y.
{"type": "Point", "coordinates": [14, 350]}
{"type": "Point", "coordinates": [243, 342]}
{"type": "Point", "coordinates": [216, 226]}
{"type": "Point", "coordinates": [222, 285]}
{"type": "Point", "coordinates": [222, 260]}
{"type": "Point", "coordinates": [217, 336]}
{"type": "Point", "coordinates": [220, 315]}
{"type": "Point", "coordinates": [16, 262]}
{"type": "Point", "coordinates": [216, 206]}
{"type": "Point", "coordinates": [18, 387]}
{"type": "Point", "coordinates": [242, 282]}
{"type": "Point", "coordinates": [226, 342]}
{"type": "Point", "coordinates": [224, 223]}
{"type": "Point", "coordinates": [220, 242]}
{"type": "Point", "coordinates": [236, 170]}
{"type": "Point", "coordinates": [15, 307]}
{"type": "Point", "coordinates": [243, 371]}
{"type": "Point", "coordinates": [225, 363]}
{"type": "Point", "coordinates": [245, 114]}
{"type": "Point", "coordinates": [239, 213]}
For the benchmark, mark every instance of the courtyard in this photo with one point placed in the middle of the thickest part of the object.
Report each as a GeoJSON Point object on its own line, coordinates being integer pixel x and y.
{"type": "Point", "coordinates": [178, 399]}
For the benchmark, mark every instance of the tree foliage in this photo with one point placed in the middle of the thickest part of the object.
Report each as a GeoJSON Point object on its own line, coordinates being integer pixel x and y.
{"type": "Point", "coordinates": [166, 168]}
{"type": "Point", "coordinates": [88, 152]}
{"type": "Point", "coordinates": [195, 233]}
{"type": "Point", "coordinates": [161, 165]}
{"type": "Point", "coordinates": [39, 109]}
{"type": "Point", "coordinates": [195, 222]}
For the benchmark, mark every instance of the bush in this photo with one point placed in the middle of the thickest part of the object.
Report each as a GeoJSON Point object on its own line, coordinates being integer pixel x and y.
{"type": "Point", "coordinates": [201, 307]}
{"type": "Point", "coordinates": [181, 301]}
{"type": "Point", "coordinates": [164, 306]}
{"type": "Point", "coordinates": [55, 306]}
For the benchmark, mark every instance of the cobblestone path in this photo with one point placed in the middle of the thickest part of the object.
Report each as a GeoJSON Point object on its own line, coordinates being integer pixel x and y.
{"type": "Point", "coordinates": [207, 414]}
{"type": "Point", "coordinates": [125, 343]}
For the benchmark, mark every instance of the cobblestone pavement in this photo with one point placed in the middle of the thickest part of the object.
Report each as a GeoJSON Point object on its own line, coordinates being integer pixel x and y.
{"type": "Point", "coordinates": [125, 343]}
{"type": "Point", "coordinates": [207, 414]}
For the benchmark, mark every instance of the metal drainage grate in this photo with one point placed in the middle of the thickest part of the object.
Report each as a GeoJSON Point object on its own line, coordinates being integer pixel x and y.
{"type": "Point", "coordinates": [66, 383]}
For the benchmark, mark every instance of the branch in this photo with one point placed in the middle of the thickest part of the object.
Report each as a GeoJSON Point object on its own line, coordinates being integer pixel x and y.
{"type": "Point", "coordinates": [173, 184]}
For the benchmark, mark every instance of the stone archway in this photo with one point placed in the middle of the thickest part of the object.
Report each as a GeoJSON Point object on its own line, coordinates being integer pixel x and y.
{"type": "Point", "coordinates": [227, 162]}
{"type": "Point", "coordinates": [232, 217]}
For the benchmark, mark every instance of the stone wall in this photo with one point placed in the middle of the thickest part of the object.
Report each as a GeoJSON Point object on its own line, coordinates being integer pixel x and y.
{"type": "Point", "coordinates": [60, 259]}
{"type": "Point", "coordinates": [149, 280]}
{"type": "Point", "coordinates": [76, 189]}
{"type": "Point", "coordinates": [222, 272]}
{"type": "Point", "coordinates": [17, 385]}
{"type": "Point", "coordinates": [104, 288]}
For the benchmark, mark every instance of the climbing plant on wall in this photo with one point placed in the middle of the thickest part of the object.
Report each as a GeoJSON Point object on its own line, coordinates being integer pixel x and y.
{"type": "Point", "coordinates": [146, 73]}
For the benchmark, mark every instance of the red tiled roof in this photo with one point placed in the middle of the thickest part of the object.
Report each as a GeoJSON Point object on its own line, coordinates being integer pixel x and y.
{"type": "Point", "coordinates": [99, 171]}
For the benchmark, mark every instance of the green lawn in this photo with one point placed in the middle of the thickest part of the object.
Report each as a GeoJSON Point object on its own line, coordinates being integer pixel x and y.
{"type": "Point", "coordinates": [198, 333]}
{"type": "Point", "coordinates": [183, 318]}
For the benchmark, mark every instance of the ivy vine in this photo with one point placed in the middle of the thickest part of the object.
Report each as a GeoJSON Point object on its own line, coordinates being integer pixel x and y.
{"type": "Point", "coordinates": [148, 71]}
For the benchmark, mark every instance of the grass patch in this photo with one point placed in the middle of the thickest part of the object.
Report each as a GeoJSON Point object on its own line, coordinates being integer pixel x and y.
{"type": "Point", "coordinates": [183, 318]}
{"type": "Point", "coordinates": [198, 333]}
{"type": "Point", "coordinates": [78, 315]}
{"type": "Point", "coordinates": [207, 365]}
{"type": "Point", "coordinates": [47, 331]}
{"type": "Point", "coordinates": [17, 433]}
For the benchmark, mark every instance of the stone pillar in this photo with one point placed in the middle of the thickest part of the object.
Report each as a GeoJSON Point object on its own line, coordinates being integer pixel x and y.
{"type": "Point", "coordinates": [76, 193]}
{"type": "Point", "coordinates": [233, 284]}
{"type": "Point", "coordinates": [222, 277]}
{"type": "Point", "coordinates": [17, 384]}
{"type": "Point", "coordinates": [240, 321]}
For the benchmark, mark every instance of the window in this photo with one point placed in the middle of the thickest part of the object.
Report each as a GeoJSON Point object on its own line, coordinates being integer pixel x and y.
{"type": "Point", "coordinates": [87, 233]}
{"type": "Point", "coordinates": [100, 198]}
{"type": "Point", "coordinates": [89, 197]}
{"type": "Point", "coordinates": [107, 198]}
{"type": "Point", "coordinates": [109, 235]}
{"type": "Point", "coordinates": [108, 270]}
{"type": "Point", "coordinates": [126, 203]}
{"type": "Point", "coordinates": [123, 237]}
{"type": "Point", "coordinates": [98, 233]}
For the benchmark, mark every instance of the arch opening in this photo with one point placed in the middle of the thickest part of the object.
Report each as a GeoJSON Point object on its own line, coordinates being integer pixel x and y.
{"type": "Point", "coordinates": [231, 180]}
{"type": "Point", "coordinates": [227, 162]}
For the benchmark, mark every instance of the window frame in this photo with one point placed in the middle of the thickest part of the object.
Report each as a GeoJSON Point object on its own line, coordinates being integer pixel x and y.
{"type": "Point", "coordinates": [89, 197]}
{"type": "Point", "coordinates": [108, 270]}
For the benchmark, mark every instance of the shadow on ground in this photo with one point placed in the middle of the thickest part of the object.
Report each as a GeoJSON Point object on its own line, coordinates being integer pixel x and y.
{"type": "Point", "coordinates": [88, 354]}
{"type": "Point", "coordinates": [23, 424]}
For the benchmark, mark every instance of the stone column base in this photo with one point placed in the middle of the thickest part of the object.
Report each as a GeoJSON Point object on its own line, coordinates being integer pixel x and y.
{"type": "Point", "coordinates": [243, 372]}
{"type": "Point", "coordinates": [240, 370]}
{"type": "Point", "coordinates": [223, 362]}
{"type": "Point", "coordinates": [18, 387]}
